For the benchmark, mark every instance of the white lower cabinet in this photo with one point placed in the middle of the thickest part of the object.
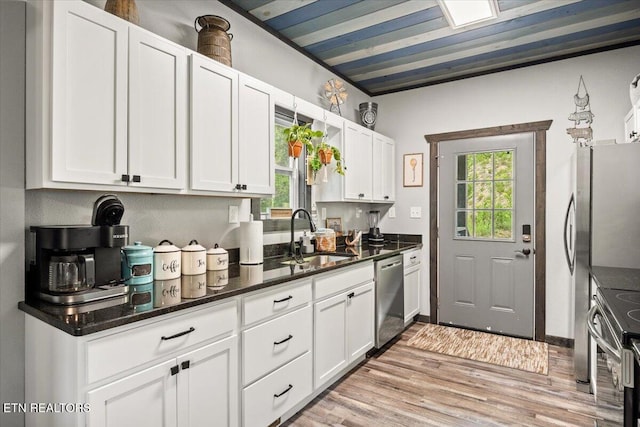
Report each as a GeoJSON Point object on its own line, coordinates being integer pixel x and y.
{"type": "Point", "coordinates": [412, 279]}
{"type": "Point", "coordinates": [198, 388]}
{"type": "Point", "coordinates": [181, 370]}
{"type": "Point", "coordinates": [344, 323]}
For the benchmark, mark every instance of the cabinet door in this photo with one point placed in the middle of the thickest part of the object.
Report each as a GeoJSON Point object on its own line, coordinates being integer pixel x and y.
{"type": "Point", "coordinates": [208, 385]}
{"type": "Point", "coordinates": [147, 398]}
{"type": "Point", "coordinates": [359, 158]}
{"type": "Point", "coordinates": [330, 338]}
{"type": "Point", "coordinates": [89, 95]}
{"type": "Point", "coordinates": [360, 320]}
{"type": "Point", "coordinates": [214, 125]}
{"type": "Point", "coordinates": [411, 294]}
{"type": "Point", "coordinates": [256, 136]}
{"type": "Point", "coordinates": [384, 168]}
{"type": "Point", "coordinates": [157, 111]}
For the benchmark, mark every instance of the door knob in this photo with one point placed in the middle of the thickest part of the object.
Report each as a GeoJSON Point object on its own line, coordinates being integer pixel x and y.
{"type": "Point", "coordinates": [525, 252]}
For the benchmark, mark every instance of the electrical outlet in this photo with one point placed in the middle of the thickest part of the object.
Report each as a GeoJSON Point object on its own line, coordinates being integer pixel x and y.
{"type": "Point", "coordinates": [392, 212]}
{"type": "Point", "coordinates": [358, 212]}
{"type": "Point", "coordinates": [233, 214]}
{"type": "Point", "coordinates": [323, 214]}
{"type": "Point", "coordinates": [415, 212]}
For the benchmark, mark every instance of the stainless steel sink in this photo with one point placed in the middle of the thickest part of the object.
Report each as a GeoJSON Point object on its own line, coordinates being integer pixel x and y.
{"type": "Point", "coordinates": [319, 260]}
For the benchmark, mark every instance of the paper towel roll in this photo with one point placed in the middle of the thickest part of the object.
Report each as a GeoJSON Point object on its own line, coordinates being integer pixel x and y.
{"type": "Point", "coordinates": [251, 242]}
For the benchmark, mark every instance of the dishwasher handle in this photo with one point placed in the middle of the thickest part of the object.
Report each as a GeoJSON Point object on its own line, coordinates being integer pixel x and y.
{"type": "Point", "coordinates": [392, 265]}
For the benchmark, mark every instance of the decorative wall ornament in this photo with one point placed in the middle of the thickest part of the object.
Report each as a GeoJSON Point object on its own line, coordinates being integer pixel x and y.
{"type": "Point", "coordinates": [584, 134]}
{"type": "Point", "coordinates": [368, 114]}
{"type": "Point", "coordinates": [336, 93]}
{"type": "Point", "coordinates": [412, 170]}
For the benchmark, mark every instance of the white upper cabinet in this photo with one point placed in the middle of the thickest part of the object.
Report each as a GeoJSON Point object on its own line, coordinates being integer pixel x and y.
{"type": "Point", "coordinates": [214, 125]}
{"type": "Point", "coordinates": [256, 136]}
{"type": "Point", "coordinates": [383, 168]}
{"type": "Point", "coordinates": [232, 130]}
{"type": "Point", "coordinates": [117, 97]}
{"type": "Point", "coordinates": [157, 111]}
{"type": "Point", "coordinates": [88, 95]}
{"type": "Point", "coordinates": [358, 154]}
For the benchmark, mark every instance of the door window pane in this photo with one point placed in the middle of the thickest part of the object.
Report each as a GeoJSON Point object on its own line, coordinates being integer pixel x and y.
{"type": "Point", "coordinates": [485, 195]}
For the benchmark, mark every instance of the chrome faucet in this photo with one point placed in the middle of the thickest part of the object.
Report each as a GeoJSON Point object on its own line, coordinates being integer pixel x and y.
{"type": "Point", "coordinates": [312, 226]}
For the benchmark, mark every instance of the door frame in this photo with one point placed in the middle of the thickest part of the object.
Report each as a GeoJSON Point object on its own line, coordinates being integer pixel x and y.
{"type": "Point", "coordinates": [539, 129]}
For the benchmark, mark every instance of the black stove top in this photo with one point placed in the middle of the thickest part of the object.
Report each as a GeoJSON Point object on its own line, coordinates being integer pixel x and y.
{"type": "Point", "coordinates": [622, 308]}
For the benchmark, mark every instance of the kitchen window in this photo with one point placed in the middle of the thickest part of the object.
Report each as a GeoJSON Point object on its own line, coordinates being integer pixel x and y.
{"type": "Point", "coordinates": [290, 189]}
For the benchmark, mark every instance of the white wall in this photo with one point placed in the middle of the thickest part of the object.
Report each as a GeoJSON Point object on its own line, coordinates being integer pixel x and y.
{"type": "Point", "coordinates": [12, 45]}
{"type": "Point", "coordinates": [540, 92]}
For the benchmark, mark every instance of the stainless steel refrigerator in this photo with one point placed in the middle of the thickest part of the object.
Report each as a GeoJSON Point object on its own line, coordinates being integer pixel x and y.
{"type": "Point", "coordinates": [602, 228]}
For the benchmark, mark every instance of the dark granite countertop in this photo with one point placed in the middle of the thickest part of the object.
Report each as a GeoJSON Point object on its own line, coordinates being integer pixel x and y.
{"type": "Point", "coordinates": [627, 279]}
{"type": "Point", "coordinates": [84, 320]}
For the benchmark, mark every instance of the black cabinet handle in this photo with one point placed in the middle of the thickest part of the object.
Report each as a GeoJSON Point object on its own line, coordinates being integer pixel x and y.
{"type": "Point", "coordinates": [136, 178]}
{"type": "Point", "coordinates": [175, 370]}
{"type": "Point", "coordinates": [361, 195]}
{"type": "Point", "coordinates": [283, 341]}
{"type": "Point", "coordinates": [275, 301]}
{"type": "Point", "coordinates": [179, 334]}
{"type": "Point", "coordinates": [284, 392]}
{"type": "Point", "coordinates": [124, 178]}
{"type": "Point", "coordinates": [351, 295]}
{"type": "Point", "coordinates": [386, 197]}
{"type": "Point", "coordinates": [186, 364]}
{"type": "Point", "coordinates": [244, 186]}
{"type": "Point", "coordinates": [238, 187]}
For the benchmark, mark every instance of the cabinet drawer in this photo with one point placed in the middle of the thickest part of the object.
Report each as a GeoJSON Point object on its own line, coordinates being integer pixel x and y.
{"type": "Point", "coordinates": [331, 283]}
{"type": "Point", "coordinates": [412, 258]}
{"type": "Point", "coordinates": [275, 394]}
{"type": "Point", "coordinates": [274, 343]}
{"type": "Point", "coordinates": [277, 301]}
{"type": "Point", "coordinates": [118, 352]}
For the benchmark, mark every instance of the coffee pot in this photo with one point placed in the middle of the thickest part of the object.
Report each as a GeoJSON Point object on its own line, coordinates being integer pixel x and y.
{"type": "Point", "coordinates": [71, 273]}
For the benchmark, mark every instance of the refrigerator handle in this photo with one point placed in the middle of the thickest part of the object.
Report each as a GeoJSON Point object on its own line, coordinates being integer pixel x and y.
{"type": "Point", "coordinates": [568, 245]}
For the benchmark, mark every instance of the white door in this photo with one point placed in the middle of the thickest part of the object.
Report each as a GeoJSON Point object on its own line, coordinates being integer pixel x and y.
{"type": "Point", "coordinates": [486, 224]}
{"type": "Point", "coordinates": [89, 105]}
{"type": "Point", "coordinates": [214, 125]}
{"type": "Point", "coordinates": [330, 336]}
{"type": "Point", "coordinates": [208, 386]}
{"type": "Point", "coordinates": [147, 398]}
{"type": "Point", "coordinates": [158, 109]}
{"type": "Point", "coordinates": [360, 320]}
{"type": "Point", "coordinates": [358, 154]}
{"type": "Point", "coordinates": [256, 136]}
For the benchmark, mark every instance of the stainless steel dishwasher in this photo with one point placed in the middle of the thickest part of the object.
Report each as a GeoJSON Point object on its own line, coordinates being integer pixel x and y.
{"type": "Point", "coordinates": [389, 299]}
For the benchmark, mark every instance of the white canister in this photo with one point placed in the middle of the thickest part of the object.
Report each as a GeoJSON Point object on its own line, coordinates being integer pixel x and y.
{"type": "Point", "coordinates": [194, 286]}
{"type": "Point", "coordinates": [217, 258]}
{"type": "Point", "coordinates": [217, 278]}
{"type": "Point", "coordinates": [166, 261]}
{"type": "Point", "coordinates": [166, 292]}
{"type": "Point", "coordinates": [194, 259]}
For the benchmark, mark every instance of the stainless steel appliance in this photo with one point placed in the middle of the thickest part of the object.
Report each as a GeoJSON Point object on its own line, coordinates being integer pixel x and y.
{"type": "Point", "coordinates": [78, 263]}
{"type": "Point", "coordinates": [389, 276]}
{"type": "Point", "coordinates": [376, 238]}
{"type": "Point", "coordinates": [604, 232]}
{"type": "Point", "coordinates": [614, 324]}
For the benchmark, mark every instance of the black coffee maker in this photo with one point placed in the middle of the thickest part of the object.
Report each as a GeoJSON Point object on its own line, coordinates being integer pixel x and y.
{"type": "Point", "coordinates": [80, 263]}
{"type": "Point", "coordinates": [375, 237]}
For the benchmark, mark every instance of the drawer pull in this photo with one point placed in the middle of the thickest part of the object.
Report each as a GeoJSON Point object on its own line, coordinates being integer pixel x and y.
{"type": "Point", "coordinates": [284, 392]}
{"type": "Point", "coordinates": [179, 334]}
{"type": "Point", "coordinates": [283, 341]}
{"type": "Point", "coordinates": [175, 370]}
{"type": "Point", "coordinates": [186, 364]}
{"type": "Point", "coordinates": [351, 295]}
{"type": "Point", "coordinates": [275, 301]}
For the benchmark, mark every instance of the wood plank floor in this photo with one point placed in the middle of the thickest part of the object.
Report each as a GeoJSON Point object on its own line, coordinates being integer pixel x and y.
{"type": "Point", "coordinates": [405, 386]}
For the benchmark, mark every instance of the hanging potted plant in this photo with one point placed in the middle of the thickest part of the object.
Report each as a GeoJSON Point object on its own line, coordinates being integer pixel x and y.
{"type": "Point", "coordinates": [325, 152]}
{"type": "Point", "coordinates": [299, 136]}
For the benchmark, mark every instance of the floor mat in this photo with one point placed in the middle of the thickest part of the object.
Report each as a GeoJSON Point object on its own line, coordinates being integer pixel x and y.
{"type": "Point", "coordinates": [517, 353]}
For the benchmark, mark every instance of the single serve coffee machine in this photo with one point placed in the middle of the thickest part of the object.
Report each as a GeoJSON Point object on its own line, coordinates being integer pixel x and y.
{"type": "Point", "coordinates": [78, 263]}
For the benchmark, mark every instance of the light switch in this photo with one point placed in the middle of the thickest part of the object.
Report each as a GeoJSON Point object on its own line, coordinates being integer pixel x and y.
{"type": "Point", "coordinates": [392, 212]}
{"type": "Point", "coordinates": [233, 214]}
{"type": "Point", "coordinates": [415, 212]}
